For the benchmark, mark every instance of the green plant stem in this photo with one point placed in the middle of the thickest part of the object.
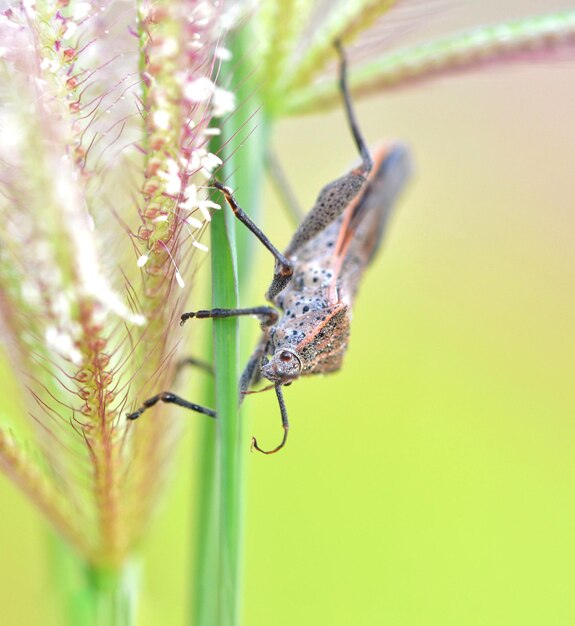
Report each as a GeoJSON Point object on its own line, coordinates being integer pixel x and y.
{"type": "Point", "coordinates": [94, 595]}
{"type": "Point", "coordinates": [218, 570]}
{"type": "Point", "coordinates": [204, 569]}
{"type": "Point", "coordinates": [112, 596]}
{"type": "Point", "coordinates": [224, 293]}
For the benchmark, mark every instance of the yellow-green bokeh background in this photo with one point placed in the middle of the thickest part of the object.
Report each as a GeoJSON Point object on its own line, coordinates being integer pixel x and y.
{"type": "Point", "coordinates": [432, 481]}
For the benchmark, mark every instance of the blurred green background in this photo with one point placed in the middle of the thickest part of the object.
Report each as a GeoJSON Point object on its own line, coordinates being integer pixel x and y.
{"type": "Point", "coordinates": [432, 480]}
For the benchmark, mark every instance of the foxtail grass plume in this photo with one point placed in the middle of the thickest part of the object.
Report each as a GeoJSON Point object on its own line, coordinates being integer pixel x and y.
{"type": "Point", "coordinates": [106, 114]}
{"type": "Point", "coordinates": [106, 111]}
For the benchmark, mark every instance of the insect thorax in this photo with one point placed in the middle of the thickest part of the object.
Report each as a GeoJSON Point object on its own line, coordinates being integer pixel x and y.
{"type": "Point", "coordinates": [315, 330]}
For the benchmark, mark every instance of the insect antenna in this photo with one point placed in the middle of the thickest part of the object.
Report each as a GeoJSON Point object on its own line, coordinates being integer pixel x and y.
{"type": "Point", "coordinates": [357, 136]}
{"type": "Point", "coordinates": [285, 425]}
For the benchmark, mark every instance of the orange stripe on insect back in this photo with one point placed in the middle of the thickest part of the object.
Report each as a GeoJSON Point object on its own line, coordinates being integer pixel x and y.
{"type": "Point", "coordinates": [345, 233]}
{"type": "Point", "coordinates": [319, 327]}
{"type": "Point", "coordinates": [339, 250]}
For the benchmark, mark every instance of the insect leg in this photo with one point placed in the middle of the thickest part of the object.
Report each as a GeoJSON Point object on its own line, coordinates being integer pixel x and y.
{"type": "Point", "coordinates": [283, 268]}
{"type": "Point", "coordinates": [267, 314]}
{"type": "Point", "coordinates": [192, 361]}
{"type": "Point", "coordinates": [351, 119]}
{"type": "Point", "coordinates": [285, 425]}
{"type": "Point", "coordinates": [251, 374]}
{"type": "Point", "coordinates": [170, 398]}
{"type": "Point", "coordinates": [335, 197]}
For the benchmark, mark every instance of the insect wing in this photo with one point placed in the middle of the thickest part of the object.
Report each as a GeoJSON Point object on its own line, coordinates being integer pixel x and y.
{"type": "Point", "coordinates": [365, 220]}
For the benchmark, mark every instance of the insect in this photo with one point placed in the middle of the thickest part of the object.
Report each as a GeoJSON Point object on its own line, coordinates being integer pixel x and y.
{"type": "Point", "coordinates": [316, 279]}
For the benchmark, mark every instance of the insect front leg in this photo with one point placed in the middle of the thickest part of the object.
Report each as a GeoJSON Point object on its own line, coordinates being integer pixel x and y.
{"type": "Point", "coordinates": [251, 373]}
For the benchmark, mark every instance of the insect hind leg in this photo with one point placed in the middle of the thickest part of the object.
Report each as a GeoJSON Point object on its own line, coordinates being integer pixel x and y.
{"type": "Point", "coordinates": [191, 361]}
{"type": "Point", "coordinates": [335, 197]}
{"type": "Point", "coordinates": [350, 113]}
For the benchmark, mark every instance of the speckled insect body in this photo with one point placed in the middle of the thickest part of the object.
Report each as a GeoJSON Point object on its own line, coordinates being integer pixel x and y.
{"type": "Point", "coordinates": [327, 268]}
{"type": "Point", "coordinates": [316, 278]}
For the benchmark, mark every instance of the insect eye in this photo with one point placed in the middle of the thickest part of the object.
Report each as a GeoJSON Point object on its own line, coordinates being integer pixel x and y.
{"type": "Point", "coordinates": [285, 356]}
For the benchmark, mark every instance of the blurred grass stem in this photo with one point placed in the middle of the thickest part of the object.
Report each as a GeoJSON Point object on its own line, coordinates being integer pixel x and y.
{"type": "Point", "coordinates": [218, 571]}
{"type": "Point", "coordinates": [94, 595]}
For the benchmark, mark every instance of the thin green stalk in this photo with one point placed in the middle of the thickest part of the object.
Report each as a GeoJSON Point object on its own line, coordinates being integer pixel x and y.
{"type": "Point", "coordinates": [213, 572]}
{"type": "Point", "coordinates": [215, 568]}
{"type": "Point", "coordinates": [91, 595]}
{"type": "Point", "coordinates": [224, 291]}
{"type": "Point", "coordinates": [204, 569]}
{"type": "Point", "coordinates": [218, 569]}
